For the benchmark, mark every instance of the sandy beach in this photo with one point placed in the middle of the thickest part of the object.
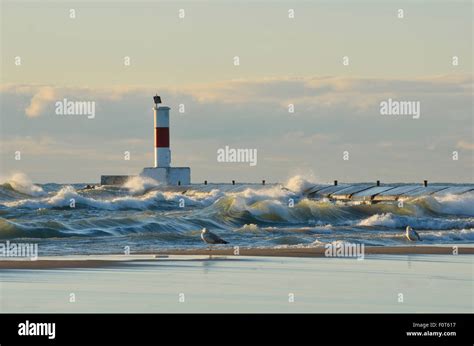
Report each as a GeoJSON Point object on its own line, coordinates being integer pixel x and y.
{"type": "Point", "coordinates": [406, 279]}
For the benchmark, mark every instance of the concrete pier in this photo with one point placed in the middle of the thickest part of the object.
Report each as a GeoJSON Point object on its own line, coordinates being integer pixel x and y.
{"type": "Point", "coordinates": [114, 179]}
{"type": "Point", "coordinates": [168, 175]}
{"type": "Point", "coordinates": [376, 193]}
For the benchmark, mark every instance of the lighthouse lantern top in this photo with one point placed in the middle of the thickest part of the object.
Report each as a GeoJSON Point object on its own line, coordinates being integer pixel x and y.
{"type": "Point", "coordinates": [157, 99]}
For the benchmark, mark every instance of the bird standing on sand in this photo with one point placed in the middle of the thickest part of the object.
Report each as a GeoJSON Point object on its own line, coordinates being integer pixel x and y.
{"type": "Point", "coordinates": [412, 235]}
{"type": "Point", "coordinates": [211, 238]}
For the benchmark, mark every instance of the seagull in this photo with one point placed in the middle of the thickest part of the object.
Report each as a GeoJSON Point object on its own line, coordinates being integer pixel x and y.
{"type": "Point", "coordinates": [211, 238]}
{"type": "Point", "coordinates": [412, 235]}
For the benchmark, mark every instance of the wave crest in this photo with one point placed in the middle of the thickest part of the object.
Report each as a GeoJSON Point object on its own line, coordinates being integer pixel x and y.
{"type": "Point", "coordinates": [19, 182]}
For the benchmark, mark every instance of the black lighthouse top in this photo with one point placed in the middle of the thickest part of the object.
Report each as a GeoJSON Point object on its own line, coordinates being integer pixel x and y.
{"type": "Point", "coordinates": [157, 99]}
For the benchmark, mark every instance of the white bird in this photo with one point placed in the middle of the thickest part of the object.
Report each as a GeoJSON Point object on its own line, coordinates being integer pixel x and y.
{"type": "Point", "coordinates": [211, 238]}
{"type": "Point", "coordinates": [412, 235]}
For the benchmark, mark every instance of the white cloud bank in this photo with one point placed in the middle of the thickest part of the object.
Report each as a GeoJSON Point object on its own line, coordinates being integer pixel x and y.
{"type": "Point", "coordinates": [358, 94]}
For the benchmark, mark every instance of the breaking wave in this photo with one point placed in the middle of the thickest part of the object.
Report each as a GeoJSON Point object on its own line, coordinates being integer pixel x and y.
{"type": "Point", "coordinates": [68, 197]}
{"type": "Point", "coordinates": [400, 221]}
{"type": "Point", "coordinates": [19, 183]}
{"type": "Point", "coordinates": [249, 214]}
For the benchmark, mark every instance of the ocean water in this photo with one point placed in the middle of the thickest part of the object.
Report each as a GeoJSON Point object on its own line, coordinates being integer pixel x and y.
{"type": "Point", "coordinates": [145, 216]}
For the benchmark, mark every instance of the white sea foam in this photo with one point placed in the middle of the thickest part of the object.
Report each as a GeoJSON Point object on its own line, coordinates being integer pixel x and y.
{"type": "Point", "coordinates": [400, 221]}
{"type": "Point", "coordinates": [138, 185]}
{"type": "Point", "coordinates": [249, 227]}
{"type": "Point", "coordinates": [67, 195]}
{"type": "Point", "coordinates": [449, 235]}
{"type": "Point", "coordinates": [457, 204]}
{"type": "Point", "coordinates": [21, 183]}
{"type": "Point", "coordinates": [299, 183]}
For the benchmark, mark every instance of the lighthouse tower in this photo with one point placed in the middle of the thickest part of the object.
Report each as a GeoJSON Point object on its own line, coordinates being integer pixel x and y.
{"type": "Point", "coordinates": [162, 170]}
{"type": "Point", "coordinates": [162, 134]}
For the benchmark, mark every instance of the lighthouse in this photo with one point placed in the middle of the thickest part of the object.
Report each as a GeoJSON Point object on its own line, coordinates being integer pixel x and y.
{"type": "Point", "coordinates": [162, 134]}
{"type": "Point", "coordinates": [162, 170]}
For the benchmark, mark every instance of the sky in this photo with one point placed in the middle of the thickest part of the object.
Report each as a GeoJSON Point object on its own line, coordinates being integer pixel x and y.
{"type": "Point", "coordinates": [282, 61]}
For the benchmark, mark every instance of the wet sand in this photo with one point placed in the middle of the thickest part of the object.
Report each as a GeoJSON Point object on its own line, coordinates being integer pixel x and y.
{"type": "Point", "coordinates": [53, 262]}
{"type": "Point", "coordinates": [205, 284]}
{"type": "Point", "coordinates": [320, 251]}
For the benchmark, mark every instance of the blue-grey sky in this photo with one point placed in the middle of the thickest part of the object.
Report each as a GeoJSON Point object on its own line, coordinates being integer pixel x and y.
{"type": "Point", "coordinates": [283, 60]}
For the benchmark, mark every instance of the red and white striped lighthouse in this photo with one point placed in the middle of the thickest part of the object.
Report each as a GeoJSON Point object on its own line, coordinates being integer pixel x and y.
{"type": "Point", "coordinates": [162, 134]}
{"type": "Point", "coordinates": [162, 172]}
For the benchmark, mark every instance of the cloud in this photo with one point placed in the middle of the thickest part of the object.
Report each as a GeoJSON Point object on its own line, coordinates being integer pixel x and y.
{"type": "Point", "coordinates": [41, 96]}
{"type": "Point", "coordinates": [327, 91]}
{"type": "Point", "coordinates": [355, 94]}
{"type": "Point", "coordinates": [40, 100]}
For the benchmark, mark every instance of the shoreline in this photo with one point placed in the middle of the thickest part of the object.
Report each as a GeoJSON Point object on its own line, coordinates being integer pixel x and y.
{"type": "Point", "coordinates": [320, 251]}
{"type": "Point", "coordinates": [102, 261]}
{"type": "Point", "coordinates": [229, 284]}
